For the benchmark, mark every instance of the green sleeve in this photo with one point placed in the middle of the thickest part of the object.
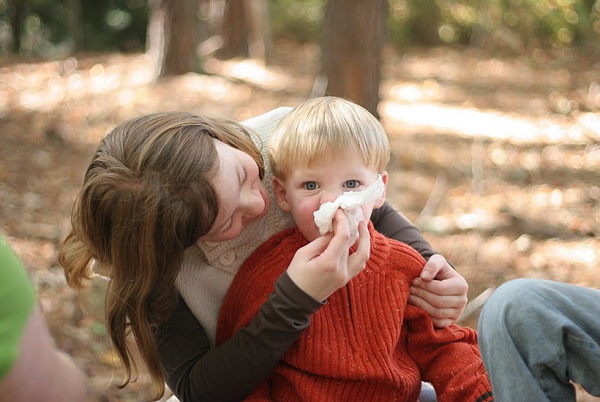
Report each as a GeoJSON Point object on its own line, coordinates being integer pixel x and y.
{"type": "Point", "coordinates": [17, 298]}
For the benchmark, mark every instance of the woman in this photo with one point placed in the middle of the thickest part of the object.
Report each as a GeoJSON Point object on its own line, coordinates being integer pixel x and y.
{"type": "Point", "coordinates": [150, 217]}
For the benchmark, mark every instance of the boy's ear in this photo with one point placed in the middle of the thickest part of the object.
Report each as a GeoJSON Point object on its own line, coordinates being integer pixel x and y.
{"type": "Point", "coordinates": [379, 202]}
{"type": "Point", "coordinates": [280, 195]}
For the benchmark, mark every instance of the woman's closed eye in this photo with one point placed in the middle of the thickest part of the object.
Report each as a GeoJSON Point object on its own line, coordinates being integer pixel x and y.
{"type": "Point", "coordinates": [245, 174]}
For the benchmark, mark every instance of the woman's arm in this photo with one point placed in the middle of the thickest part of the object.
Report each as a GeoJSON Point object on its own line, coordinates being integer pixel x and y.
{"type": "Point", "coordinates": [197, 372]}
{"type": "Point", "coordinates": [440, 290]}
{"type": "Point", "coordinates": [391, 223]}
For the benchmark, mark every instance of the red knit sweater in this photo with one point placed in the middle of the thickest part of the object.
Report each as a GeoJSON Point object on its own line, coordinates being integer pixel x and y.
{"type": "Point", "coordinates": [366, 343]}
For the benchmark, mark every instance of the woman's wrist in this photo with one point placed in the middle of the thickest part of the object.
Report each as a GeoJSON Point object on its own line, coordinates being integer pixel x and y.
{"type": "Point", "coordinates": [299, 303]}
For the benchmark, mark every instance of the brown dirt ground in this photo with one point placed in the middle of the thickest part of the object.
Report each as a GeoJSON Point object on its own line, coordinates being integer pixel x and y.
{"type": "Point", "coordinates": [497, 160]}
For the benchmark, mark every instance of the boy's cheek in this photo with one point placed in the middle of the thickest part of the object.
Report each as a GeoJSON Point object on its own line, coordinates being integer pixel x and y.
{"type": "Point", "coordinates": [367, 210]}
{"type": "Point", "coordinates": [304, 218]}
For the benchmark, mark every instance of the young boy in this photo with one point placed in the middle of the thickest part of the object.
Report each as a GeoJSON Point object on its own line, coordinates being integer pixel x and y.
{"type": "Point", "coordinates": [366, 342]}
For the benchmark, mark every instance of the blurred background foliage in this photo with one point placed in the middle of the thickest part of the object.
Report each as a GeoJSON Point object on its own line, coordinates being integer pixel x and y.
{"type": "Point", "coordinates": [55, 28]}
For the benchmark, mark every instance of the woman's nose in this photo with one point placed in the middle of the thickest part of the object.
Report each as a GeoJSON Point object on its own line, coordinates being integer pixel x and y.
{"type": "Point", "coordinates": [253, 203]}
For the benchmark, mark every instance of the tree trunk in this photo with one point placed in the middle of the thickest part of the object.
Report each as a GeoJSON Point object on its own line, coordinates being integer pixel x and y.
{"type": "Point", "coordinates": [235, 30]}
{"type": "Point", "coordinates": [425, 21]}
{"type": "Point", "coordinates": [76, 24]}
{"type": "Point", "coordinates": [353, 39]}
{"type": "Point", "coordinates": [260, 43]}
{"type": "Point", "coordinates": [173, 36]}
{"type": "Point", "coordinates": [16, 23]}
{"type": "Point", "coordinates": [246, 30]}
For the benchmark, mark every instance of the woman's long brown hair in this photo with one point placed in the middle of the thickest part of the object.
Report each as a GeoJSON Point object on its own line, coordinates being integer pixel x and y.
{"type": "Point", "coordinates": [146, 197]}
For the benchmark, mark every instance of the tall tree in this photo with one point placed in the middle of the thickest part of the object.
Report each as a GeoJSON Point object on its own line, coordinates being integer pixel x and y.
{"type": "Point", "coordinates": [234, 30]}
{"type": "Point", "coordinates": [245, 30]}
{"type": "Point", "coordinates": [16, 11]}
{"type": "Point", "coordinates": [76, 24]}
{"type": "Point", "coordinates": [424, 22]}
{"type": "Point", "coordinates": [353, 39]}
{"type": "Point", "coordinates": [173, 36]}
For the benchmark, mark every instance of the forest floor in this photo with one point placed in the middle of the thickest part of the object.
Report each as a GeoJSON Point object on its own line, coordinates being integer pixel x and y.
{"type": "Point", "coordinates": [495, 158]}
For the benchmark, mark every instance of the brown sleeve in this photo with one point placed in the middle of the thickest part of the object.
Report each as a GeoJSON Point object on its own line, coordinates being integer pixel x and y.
{"type": "Point", "coordinates": [197, 372]}
{"type": "Point", "coordinates": [392, 224]}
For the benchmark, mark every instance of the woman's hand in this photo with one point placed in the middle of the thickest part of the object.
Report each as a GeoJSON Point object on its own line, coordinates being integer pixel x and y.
{"type": "Point", "coordinates": [440, 291]}
{"type": "Point", "coordinates": [324, 265]}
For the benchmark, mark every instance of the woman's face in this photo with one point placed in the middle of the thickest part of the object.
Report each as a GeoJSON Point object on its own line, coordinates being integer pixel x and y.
{"type": "Point", "coordinates": [242, 196]}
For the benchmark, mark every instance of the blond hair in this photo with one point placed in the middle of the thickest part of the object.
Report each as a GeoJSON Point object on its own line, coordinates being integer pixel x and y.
{"type": "Point", "coordinates": [321, 127]}
{"type": "Point", "coordinates": [147, 196]}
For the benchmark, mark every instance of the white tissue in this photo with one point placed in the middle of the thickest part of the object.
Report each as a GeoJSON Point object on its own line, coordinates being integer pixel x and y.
{"type": "Point", "coordinates": [350, 203]}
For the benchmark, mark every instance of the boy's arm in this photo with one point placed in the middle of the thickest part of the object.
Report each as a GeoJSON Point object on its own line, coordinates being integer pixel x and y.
{"type": "Point", "coordinates": [449, 358]}
{"type": "Point", "coordinates": [440, 290]}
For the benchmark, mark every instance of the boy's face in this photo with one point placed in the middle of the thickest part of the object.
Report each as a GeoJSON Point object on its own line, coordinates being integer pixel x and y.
{"type": "Point", "coordinates": [306, 188]}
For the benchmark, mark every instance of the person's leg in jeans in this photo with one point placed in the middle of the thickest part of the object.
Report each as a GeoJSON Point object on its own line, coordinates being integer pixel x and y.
{"type": "Point", "coordinates": [536, 336]}
{"type": "Point", "coordinates": [427, 393]}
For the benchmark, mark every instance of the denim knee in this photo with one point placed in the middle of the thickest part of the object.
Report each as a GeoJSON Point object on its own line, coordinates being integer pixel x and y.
{"type": "Point", "coordinates": [510, 304]}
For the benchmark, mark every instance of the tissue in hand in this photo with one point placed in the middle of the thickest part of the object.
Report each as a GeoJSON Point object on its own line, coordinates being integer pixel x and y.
{"type": "Point", "coordinates": [350, 203]}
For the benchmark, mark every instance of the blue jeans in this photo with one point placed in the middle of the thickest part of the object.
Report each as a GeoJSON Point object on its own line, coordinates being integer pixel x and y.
{"type": "Point", "coordinates": [536, 336]}
{"type": "Point", "coordinates": [427, 393]}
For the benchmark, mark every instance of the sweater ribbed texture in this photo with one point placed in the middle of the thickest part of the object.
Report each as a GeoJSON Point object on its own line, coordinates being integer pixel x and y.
{"type": "Point", "coordinates": [367, 343]}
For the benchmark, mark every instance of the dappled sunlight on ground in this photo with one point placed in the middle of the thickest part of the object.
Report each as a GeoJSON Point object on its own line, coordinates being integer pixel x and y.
{"type": "Point", "coordinates": [496, 159]}
{"type": "Point", "coordinates": [43, 87]}
{"type": "Point", "coordinates": [252, 71]}
{"type": "Point", "coordinates": [471, 122]}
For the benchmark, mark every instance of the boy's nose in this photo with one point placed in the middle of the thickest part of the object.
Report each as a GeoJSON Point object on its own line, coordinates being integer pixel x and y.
{"type": "Point", "coordinates": [330, 196]}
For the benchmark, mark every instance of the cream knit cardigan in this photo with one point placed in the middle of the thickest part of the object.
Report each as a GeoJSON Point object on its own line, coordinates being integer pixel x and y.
{"type": "Point", "coordinates": [208, 268]}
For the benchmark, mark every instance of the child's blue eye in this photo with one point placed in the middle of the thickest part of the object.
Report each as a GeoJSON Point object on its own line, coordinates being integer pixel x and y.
{"type": "Point", "coordinates": [352, 183]}
{"type": "Point", "coordinates": [310, 185]}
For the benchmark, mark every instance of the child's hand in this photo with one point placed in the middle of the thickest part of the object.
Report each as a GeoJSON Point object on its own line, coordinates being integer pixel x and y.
{"type": "Point", "coordinates": [441, 291]}
{"type": "Point", "coordinates": [324, 265]}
